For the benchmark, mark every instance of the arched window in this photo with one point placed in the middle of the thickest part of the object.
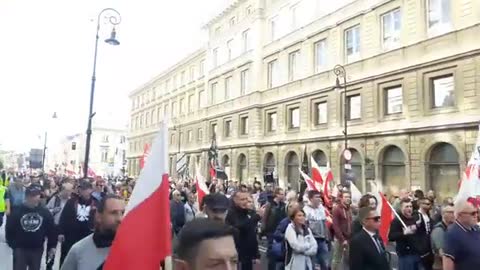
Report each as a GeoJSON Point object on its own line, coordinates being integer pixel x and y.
{"type": "Point", "coordinates": [293, 174]}
{"type": "Point", "coordinates": [393, 169]}
{"type": "Point", "coordinates": [269, 162]}
{"type": "Point", "coordinates": [320, 158]}
{"type": "Point", "coordinates": [226, 164]}
{"type": "Point", "coordinates": [242, 168]}
{"type": "Point", "coordinates": [444, 170]}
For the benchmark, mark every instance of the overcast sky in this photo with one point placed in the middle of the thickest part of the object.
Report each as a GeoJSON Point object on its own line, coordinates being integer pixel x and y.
{"type": "Point", "coordinates": [46, 58]}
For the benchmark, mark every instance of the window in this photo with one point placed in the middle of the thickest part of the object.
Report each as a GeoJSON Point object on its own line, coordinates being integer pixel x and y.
{"type": "Point", "coordinates": [201, 70]}
{"type": "Point", "coordinates": [159, 114]}
{"type": "Point", "coordinates": [213, 91]}
{"type": "Point", "coordinates": [294, 17]}
{"type": "Point", "coordinates": [294, 66]}
{"type": "Point", "coordinates": [443, 91]}
{"type": "Point", "coordinates": [182, 78]}
{"type": "Point", "coordinates": [439, 16]}
{"type": "Point", "coordinates": [192, 73]}
{"type": "Point", "coordinates": [105, 139]}
{"type": "Point", "coordinates": [354, 106]}
{"type": "Point", "coordinates": [273, 74]}
{"type": "Point", "coordinates": [174, 82]}
{"type": "Point", "coordinates": [141, 120]}
{"type": "Point", "coordinates": [202, 100]}
{"type": "Point", "coordinates": [248, 10]}
{"type": "Point", "coordinates": [190, 102]}
{"type": "Point", "coordinates": [271, 121]}
{"type": "Point", "coordinates": [294, 118]}
{"type": "Point", "coordinates": [273, 28]}
{"type": "Point", "coordinates": [229, 49]}
{"type": "Point", "coordinates": [104, 156]}
{"type": "Point", "coordinates": [182, 106]}
{"type": "Point", "coordinates": [394, 100]}
{"type": "Point", "coordinates": [190, 136]}
{"type": "Point", "coordinates": [232, 21]}
{"type": "Point", "coordinates": [167, 85]}
{"type": "Point", "coordinates": [215, 57]}
{"type": "Point", "coordinates": [166, 113]}
{"type": "Point", "coordinates": [391, 25]}
{"type": "Point", "coordinates": [246, 46]}
{"type": "Point", "coordinates": [213, 129]}
{"type": "Point", "coordinates": [244, 83]}
{"type": "Point", "coordinates": [320, 55]}
{"type": "Point", "coordinates": [147, 119]}
{"type": "Point", "coordinates": [321, 113]}
{"type": "Point", "coordinates": [174, 109]}
{"type": "Point", "coordinates": [172, 138]}
{"type": "Point", "coordinates": [228, 128]}
{"type": "Point", "coordinates": [244, 125]}
{"type": "Point", "coordinates": [352, 44]}
{"type": "Point", "coordinates": [228, 86]}
{"type": "Point", "coordinates": [200, 134]}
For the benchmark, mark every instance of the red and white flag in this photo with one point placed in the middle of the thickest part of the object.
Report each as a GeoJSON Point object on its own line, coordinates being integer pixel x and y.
{"type": "Point", "coordinates": [310, 183]}
{"type": "Point", "coordinates": [143, 158]}
{"type": "Point", "coordinates": [470, 185]}
{"type": "Point", "coordinates": [386, 216]}
{"type": "Point", "coordinates": [143, 239]}
{"type": "Point", "coordinates": [91, 173]}
{"type": "Point", "coordinates": [316, 172]}
{"type": "Point", "coordinates": [200, 184]}
{"type": "Point", "coordinates": [356, 194]}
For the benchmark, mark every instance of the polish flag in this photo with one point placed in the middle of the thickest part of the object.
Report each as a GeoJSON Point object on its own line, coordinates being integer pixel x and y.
{"type": "Point", "coordinates": [143, 239]}
{"type": "Point", "coordinates": [91, 173]}
{"type": "Point", "coordinates": [201, 186]}
{"type": "Point", "coordinates": [143, 158]}
{"type": "Point", "coordinates": [356, 194]}
{"type": "Point", "coordinates": [470, 185]}
{"type": "Point", "coordinates": [386, 216]}
{"type": "Point", "coordinates": [316, 172]}
{"type": "Point", "coordinates": [328, 177]}
{"type": "Point", "coordinates": [310, 183]}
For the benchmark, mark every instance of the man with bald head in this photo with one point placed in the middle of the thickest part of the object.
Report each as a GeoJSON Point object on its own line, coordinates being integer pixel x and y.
{"type": "Point", "coordinates": [177, 212]}
{"type": "Point", "coordinates": [462, 239]}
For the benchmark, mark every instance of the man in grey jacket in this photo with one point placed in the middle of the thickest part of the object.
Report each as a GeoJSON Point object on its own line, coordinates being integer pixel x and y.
{"type": "Point", "coordinates": [316, 220]}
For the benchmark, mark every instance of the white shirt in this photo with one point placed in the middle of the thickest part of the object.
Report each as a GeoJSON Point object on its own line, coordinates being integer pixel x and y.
{"type": "Point", "coordinates": [377, 244]}
{"type": "Point", "coordinates": [426, 219]}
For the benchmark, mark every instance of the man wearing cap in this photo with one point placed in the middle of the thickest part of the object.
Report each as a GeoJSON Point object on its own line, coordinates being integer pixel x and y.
{"type": "Point", "coordinates": [216, 206]}
{"type": "Point", "coordinates": [26, 230]}
{"type": "Point", "coordinates": [77, 218]}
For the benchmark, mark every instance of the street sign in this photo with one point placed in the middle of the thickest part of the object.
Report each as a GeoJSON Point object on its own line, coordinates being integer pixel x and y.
{"type": "Point", "coordinates": [348, 166]}
{"type": "Point", "coordinates": [347, 155]}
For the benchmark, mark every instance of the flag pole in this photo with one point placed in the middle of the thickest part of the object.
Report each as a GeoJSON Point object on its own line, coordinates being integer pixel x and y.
{"type": "Point", "coordinates": [168, 263]}
{"type": "Point", "coordinates": [395, 212]}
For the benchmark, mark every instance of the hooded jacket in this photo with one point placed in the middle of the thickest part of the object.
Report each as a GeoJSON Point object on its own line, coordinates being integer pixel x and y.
{"type": "Point", "coordinates": [412, 244]}
{"type": "Point", "coordinates": [77, 218]}
{"type": "Point", "coordinates": [245, 222]}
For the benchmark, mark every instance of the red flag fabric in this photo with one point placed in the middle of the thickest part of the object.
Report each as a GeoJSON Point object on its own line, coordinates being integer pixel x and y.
{"type": "Point", "coordinates": [143, 239]}
{"type": "Point", "coordinates": [91, 173]}
{"type": "Point", "coordinates": [201, 186]}
{"type": "Point", "coordinates": [308, 181]}
{"type": "Point", "coordinates": [212, 170]}
{"type": "Point", "coordinates": [328, 177]}
{"type": "Point", "coordinates": [469, 188]}
{"type": "Point", "coordinates": [143, 158]}
{"type": "Point", "coordinates": [316, 172]}
{"type": "Point", "coordinates": [386, 217]}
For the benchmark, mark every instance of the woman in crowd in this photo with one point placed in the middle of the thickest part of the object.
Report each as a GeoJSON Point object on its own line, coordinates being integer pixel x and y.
{"type": "Point", "coordinates": [301, 245]}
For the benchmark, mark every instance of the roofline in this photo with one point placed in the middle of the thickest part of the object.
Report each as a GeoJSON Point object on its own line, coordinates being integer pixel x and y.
{"type": "Point", "coordinates": [168, 70]}
{"type": "Point", "coordinates": [226, 11]}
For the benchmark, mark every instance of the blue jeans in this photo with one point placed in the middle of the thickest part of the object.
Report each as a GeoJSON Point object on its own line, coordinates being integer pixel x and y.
{"type": "Point", "coordinates": [322, 257]}
{"type": "Point", "coordinates": [410, 262]}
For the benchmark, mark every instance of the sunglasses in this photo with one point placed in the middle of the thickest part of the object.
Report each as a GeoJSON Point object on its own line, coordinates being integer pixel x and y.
{"type": "Point", "coordinates": [376, 219]}
{"type": "Point", "coordinates": [473, 213]}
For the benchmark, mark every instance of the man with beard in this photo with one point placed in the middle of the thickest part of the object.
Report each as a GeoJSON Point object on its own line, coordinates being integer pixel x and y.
{"type": "Point", "coordinates": [91, 252]}
{"type": "Point", "coordinates": [76, 220]}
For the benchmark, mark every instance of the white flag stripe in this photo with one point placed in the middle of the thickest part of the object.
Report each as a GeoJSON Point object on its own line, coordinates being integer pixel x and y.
{"type": "Point", "coordinates": [151, 176]}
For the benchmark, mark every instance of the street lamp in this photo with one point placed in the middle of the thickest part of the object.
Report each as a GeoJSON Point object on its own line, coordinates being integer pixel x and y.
{"type": "Point", "coordinates": [114, 19]}
{"type": "Point", "coordinates": [54, 116]}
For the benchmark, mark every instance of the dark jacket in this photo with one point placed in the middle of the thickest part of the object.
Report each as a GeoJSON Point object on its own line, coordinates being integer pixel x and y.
{"type": "Point", "coordinates": [412, 244]}
{"type": "Point", "coordinates": [274, 213]}
{"type": "Point", "coordinates": [28, 228]}
{"type": "Point", "coordinates": [177, 213]}
{"type": "Point", "coordinates": [77, 218]}
{"type": "Point", "coordinates": [356, 226]}
{"type": "Point", "coordinates": [364, 254]}
{"type": "Point", "coordinates": [342, 222]}
{"type": "Point", "coordinates": [245, 222]}
{"type": "Point", "coordinates": [265, 197]}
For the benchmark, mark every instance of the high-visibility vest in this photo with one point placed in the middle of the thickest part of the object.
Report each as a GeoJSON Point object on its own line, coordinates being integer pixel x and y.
{"type": "Point", "coordinates": [5, 182]}
{"type": "Point", "coordinates": [2, 199]}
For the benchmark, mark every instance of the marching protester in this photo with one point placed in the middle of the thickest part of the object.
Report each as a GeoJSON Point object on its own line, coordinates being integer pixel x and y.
{"type": "Point", "coordinates": [366, 200]}
{"type": "Point", "coordinates": [425, 206]}
{"type": "Point", "coordinates": [438, 235]}
{"type": "Point", "coordinates": [367, 251]}
{"type": "Point", "coordinates": [274, 213]}
{"type": "Point", "coordinates": [177, 212]}
{"type": "Point", "coordinates": [4, 203]}
{"type": "Point", "coordinates": [342, 228]}
{"type": "Point", "coordinates": [90, 252]}
{"type": "Point", "coordinates": [216, 206]}
{"type": "Point", "coordinates": [77, 218]}
{"type": "Point", "coordinates": [301, 245]}
{"type": "Point", "coordinates": [317, 222]}
{"type": "Point", "coordinates": [26, 230]}
{"type": "Point", "coordinates": [190, 208]}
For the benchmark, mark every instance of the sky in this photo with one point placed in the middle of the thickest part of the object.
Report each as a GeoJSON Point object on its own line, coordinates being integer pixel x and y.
{"type": "Point", "coordinates": [46, 60]}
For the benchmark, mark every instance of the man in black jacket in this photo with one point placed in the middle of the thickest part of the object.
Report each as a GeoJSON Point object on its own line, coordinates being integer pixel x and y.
{"type": "Point", "coordinates": [26, 230]}
{"type": "Point", "coordinates": [410, 235]}
{"type": "Point", "coordinates": [367, 251]}
{"type": "Point", "coordinates": [274, 213]}
{"type": "Point", "coordinates": [245, 221]}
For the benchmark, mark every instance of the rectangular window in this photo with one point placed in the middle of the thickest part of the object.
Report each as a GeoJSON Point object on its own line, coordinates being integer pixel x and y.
{"type": "Point", "coordinates": [182, 78]}
{"type": "Point", "coordinates": [182, 106]}
{"type": "Point", "coordinates": [232, 21]}
{"type": "Point", "coordinates": [190, 136]}
{"type": "Point", "coordinates": [294, 17]}
{"type": "Point", "coordinates": [391, 24]}
{"type": "Point", "coordinates": [244, 125]}
{"type": "Point", "coordinates": [320, 55]}
{"type": "Point", "coordinates": [213, 129]}
{"type": "Point", "coordinates": [104, 151]}
{"type": "Point", "coordinates": [294, 118]}
{"type": "Point", "coordinates": [272, 122]}
{"type": "Point", "coordinates": [159, 114]}
{"type": "Point", "coordinates": [213, 92]}
{"type": "Point", "coordinates": [273, 74]}
{"type": "Point", "coordinates": [321, 113]}
{"type": "Point", "coordinates": [229, 49]}
{"type": "Point", "coordinates": [244, 83]}
{"type": "Point", "coordinates": [274, 28]}
{"type": "Point", "coordinates": [443, 91]}
{"type": "Point", "coordinates": [246, 46]}
{"type": "Point", "coordinates": [192, 73]}
{"type": "Point", "coordinates": [191, 102]}
{"type": "Point", "coordinates": [394, 100]}
{"type": "Point", "coordinates": [294, 66]}
{"type": "Point", "coordinates": [174, 109]}
{"type": "Point", "coordinates": [228, 88]}
{"type": "Point", "coordinates": [248, 10]}
{"type": "Point", "coordinates": [228, 128]}
{"type": "Point", "coordinates": [354, 106]}
{"type": "Point", "coordinates": [201, 70]}
{"type": "Point", "coordinates": [166, 113]}
{"type": "Point", "coordinates": [215, 57]}
{"type": "Point", "coordinates": [352, 44]}
{"type": "Point", "coordinates": [200, 134]}
{"type": "Point", "coordinates": [202, 100]}
{"type": "Point", "coordinates": [174, 82]}
{"type": "Point", "coordinates": [439, 16]}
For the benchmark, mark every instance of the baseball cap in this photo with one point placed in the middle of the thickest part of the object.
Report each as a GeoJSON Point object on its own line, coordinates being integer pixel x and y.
{"type": "Point", "coordinates": [216, 202]}
{"type": "Point", "coordinates": [33, 190]}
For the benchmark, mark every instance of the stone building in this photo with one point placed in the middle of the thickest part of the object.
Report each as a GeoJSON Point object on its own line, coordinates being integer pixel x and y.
{"type": "Point", "coordinates": [264, 83]}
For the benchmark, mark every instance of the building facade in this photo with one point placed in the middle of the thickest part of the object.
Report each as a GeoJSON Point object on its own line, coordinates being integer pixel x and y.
{"type": "Point", "coordinates": [264, 84]}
